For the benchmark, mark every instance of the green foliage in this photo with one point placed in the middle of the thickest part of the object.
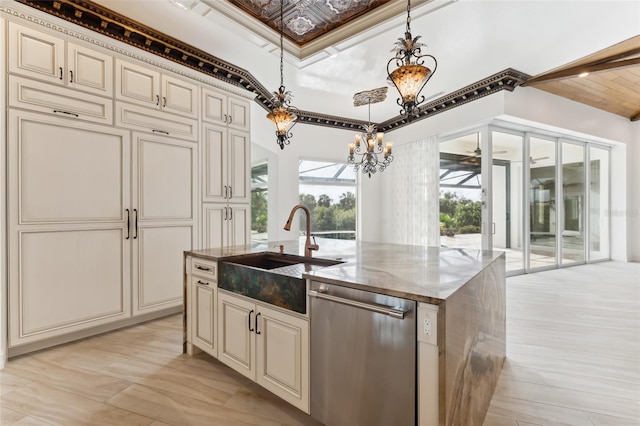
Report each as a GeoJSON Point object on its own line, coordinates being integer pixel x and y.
{"type": "Point", "coordinates": [326, 216]}
{"type": "Point", "coordinates": [468, 214]}
{"type": "Point", "coordinates": [459, 214]}
{"type": "Point", "coordinates": [469, 229]}
{"type": "Point", "coordinates": [308, 201]}
{"type": "Point", "coordinates": [259, 210]}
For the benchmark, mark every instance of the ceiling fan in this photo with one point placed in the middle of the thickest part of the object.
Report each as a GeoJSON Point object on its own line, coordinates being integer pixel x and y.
{"type": "Point", "coordinates": [478, 152]}
{"type": "Point", "coordinates": [535, 160]}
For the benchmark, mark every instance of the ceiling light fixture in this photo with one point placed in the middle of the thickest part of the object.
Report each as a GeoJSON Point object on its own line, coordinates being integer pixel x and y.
{"type": "Point", "coordinates": [410, 74]}
{"type": "Point", "coordinates": [583, 74]}
{"type": "Point", "coordinates": [371, 150]}
{"type": "Point", "coordinates": [283, 115]}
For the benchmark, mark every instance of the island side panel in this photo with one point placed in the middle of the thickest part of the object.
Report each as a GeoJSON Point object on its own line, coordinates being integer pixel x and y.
{"type": "Point", "coordinates": [475, 345]}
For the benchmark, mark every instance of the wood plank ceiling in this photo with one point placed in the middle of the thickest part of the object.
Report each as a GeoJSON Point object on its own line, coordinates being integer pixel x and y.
{"type": "Point", "coordinates": [612, 83]}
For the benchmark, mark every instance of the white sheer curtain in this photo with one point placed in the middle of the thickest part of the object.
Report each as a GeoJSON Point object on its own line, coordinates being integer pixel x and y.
{"type": "Point", "coordinates": [410, 212]}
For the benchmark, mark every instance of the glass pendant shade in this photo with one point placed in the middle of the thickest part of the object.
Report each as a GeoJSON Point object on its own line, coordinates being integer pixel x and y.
{"type": "Point", "coordinates": [283, 119]}
{"type": "Point", "coordinates": [410, 79]}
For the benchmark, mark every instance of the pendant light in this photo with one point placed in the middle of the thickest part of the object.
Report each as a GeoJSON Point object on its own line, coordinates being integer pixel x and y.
{"type": "Point", "coordinates": [368, 144]}
{"type": "Point", "coordinates": [410, 74]}
{"type": "Point", "coordinates": [283, 115]}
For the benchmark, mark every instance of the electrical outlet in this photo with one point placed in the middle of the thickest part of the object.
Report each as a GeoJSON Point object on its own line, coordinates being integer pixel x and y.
{"type": "Point", "coordinates": [427, 326]}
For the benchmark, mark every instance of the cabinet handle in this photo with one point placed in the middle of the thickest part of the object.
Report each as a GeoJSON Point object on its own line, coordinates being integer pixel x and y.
{"type": "Point", "coordinates": [160, 131]}
{"type": "Point", "coordinates": [230, 192]}
{"type": "Point", "coordinates": [71, 72]}
{"type": "Point", "coordinates": [226, 191]}
{"type": "Point", "coordinates": [157, 99]}
{"type": "Point", "coordinates": [249, 321]}
{"type": "Point", "coordinates": [60, 73]}
{"type": "Point", "coordinates": [164, 101]}
{"type": "Point", "coordinates": [225, 118]}
{"type": "Point", "coordinates": [230, 213]}
{"type": "Point", "coordinates": [59, 111]}
{"type": "Point", "coordinates": [257, 315]}
{"type": "Point", "coordinates": [225, 213]}
{"type": "Point", "coordinates": [203, 268]}
{"type": "Point", "coordinates": [230, 119]}
{"type": "Point", "coordinates": [128, 225]}
{"type": "Point", "coordinates": [203, 282]}
{"type": "Point", "coordinates": [135, 236]}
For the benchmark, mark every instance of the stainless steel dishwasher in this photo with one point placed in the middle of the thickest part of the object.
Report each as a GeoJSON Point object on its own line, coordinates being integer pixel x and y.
{"type": "Point", "coordinates": [363, 357]}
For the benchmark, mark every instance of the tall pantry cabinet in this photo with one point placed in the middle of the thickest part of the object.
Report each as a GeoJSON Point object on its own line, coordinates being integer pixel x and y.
{"type": "Point", "coordinates": [104, 170]}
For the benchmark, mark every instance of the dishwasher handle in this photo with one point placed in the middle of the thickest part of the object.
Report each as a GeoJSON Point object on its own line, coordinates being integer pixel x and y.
{"type": "Point", "coordinates": [381, 309]}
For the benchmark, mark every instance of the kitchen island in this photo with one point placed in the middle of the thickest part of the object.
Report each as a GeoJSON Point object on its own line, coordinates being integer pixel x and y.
{"type": "Point", "coordinates": [460, 332]}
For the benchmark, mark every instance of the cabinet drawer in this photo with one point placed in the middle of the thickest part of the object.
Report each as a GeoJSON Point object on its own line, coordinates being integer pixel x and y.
{"type": "Point", "coordinates": [47, 98]}
{"type": "Point", "coordinates": [154, 121]}
{"type": "Point", "coordinates": [204, 268]}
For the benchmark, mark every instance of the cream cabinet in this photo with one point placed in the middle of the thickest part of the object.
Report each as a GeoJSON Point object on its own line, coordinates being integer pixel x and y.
{"type": "Point", "coordinates": [69, 255]}
{"type": "Point", "coordinates": [45, 57]}
{"type": "Point", "coordinates": [266, 345]}
{"type": "Point", "coordinates": [226, 110]}
{"type": "Point", "coordinates": [202, 315]}
{"type": "Point", "coordinates": [98, 221]}
{"type": "Point", "coordinates": [48, 98]}
{"type": "Point", "coordinates": [226, 165]}
{"type": "Point", "coordinates": [226, 224]}
{"type": "Point", "coordinates": [145, 86]}
{"type": "Point", "coordinates": [163, 218]}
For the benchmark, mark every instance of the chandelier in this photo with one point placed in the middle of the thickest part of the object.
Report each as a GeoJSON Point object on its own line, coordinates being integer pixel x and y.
{"type": "Point", "coordinates": [283, 114]}
{"type": "Point", "coordinates": [410, 74]}
{"type": "Point", "coordinates": [371, 156]}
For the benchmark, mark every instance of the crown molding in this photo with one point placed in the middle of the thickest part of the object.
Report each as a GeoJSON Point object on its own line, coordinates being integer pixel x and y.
{"type": "Point", "coordinates": [101, 20]}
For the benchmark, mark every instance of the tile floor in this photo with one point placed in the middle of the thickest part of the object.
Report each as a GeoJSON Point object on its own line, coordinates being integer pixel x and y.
{"type": "Point", "coordinates": [573, 350]}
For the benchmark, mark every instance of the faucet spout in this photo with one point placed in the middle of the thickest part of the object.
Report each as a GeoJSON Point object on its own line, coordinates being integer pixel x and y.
{"type": "Point", "coordinates": [308, 247]}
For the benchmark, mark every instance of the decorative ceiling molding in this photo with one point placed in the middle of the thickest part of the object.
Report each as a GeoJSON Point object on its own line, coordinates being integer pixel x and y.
{"type": "Point", "coordinates": [111, 24]}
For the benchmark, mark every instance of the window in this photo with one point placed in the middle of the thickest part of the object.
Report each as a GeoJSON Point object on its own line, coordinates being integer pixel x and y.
{"type": "Point", "coordinates": [259, 201]}
{"type": "Point", "coordinates": [329, 191]}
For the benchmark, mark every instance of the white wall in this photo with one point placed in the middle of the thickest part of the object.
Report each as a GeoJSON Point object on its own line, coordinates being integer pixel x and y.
{"type": "Point", "coordinates": [3, 257]}
{"type": "Point", "coordinates": [633, 194]}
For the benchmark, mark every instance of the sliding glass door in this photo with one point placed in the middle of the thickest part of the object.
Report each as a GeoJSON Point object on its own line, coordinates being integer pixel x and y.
{"type": "Point", "coordinates": [507, 227]}
{"type": "Point", "coordinates": [543, 212]}
{"type": "Point", "coordinates": [598, 203]}
{"type": "Point", "coordinates": [573, 204]}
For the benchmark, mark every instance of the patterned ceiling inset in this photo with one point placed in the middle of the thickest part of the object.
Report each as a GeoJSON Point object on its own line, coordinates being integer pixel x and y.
{"type": "Point", "coordinates": [306, 20]}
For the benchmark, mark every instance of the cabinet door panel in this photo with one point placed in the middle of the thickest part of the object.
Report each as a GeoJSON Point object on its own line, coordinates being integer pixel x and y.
{"type": "Point", "coordinates": [89, 70]}
{"type": "Point", "coordinates": [157, 122]}
{"type": "Point", "coordinates": [239, 152]}
{"type": "Point", "coordinates": [44, 97]}
{"type": "Point", "coordinates": [35, 54]}
{"type": "Point", "coordinates": [239, 218]}
{"type": "Point", "coordinates": [67, 280]}
{"type": "Point", "coordinates": [166, 178]}
{"type": "Point", "coordinates": [239, 113]}
{"type": "Point", "coordinates": [69, 172]}
{"type": "Point", "coordinates": [282, 356]}
{"type": "Point", "coordinates": [215, 163]}
{"type": "Point", "coordinates": [159, 269]}
{"type": "Point", "coordinates": [203, 312]}
{"type": "Point", "coordinates": [137, 84]}
{"type": "Point", "coordinates": [235, 347]}
{"type": "Point", "coordinates": [215, 225]}
{"type": "Point", "coordinates": [214, 107]}
{"type": "Point", "coordinates": [179, 96]}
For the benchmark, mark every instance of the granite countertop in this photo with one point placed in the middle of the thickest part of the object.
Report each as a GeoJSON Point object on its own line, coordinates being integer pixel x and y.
{"type": "Point", "coordinates": [424, 274]}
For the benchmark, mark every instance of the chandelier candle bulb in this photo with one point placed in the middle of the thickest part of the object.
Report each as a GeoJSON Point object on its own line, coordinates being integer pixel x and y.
{"type": "Point", "coordinates": [372, 157]}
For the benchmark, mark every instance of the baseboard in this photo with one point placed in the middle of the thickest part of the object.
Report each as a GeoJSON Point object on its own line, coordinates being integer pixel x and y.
{"type": "Point", "coordinates": [89, 332]}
